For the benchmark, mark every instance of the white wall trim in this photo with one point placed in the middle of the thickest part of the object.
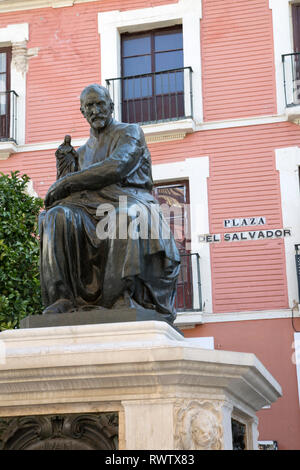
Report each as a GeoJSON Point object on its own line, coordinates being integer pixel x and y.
{"type": "Point", "coordinates": [53, 145]}
{"type": "Point", "coordinates": [246, 316]}
{"type": "Point", "coordinates": [283, 44]}
{"type": "Point", "coordinates": [205, 127]}
{"type": "Point", "coordinates": [15, 5]}
{"type": "Point", "coordinates": [242, 122]}
{"type": "Point", "coordinates": [187, 12]}
{"type": "Point", "coordinates": [196, 171]}
{"type": "Point", "coordinates": [13, 35]}
{"type": "Point", "coordinates": [287, 163]}
{"type": "Point", "coordinates": [191, 319]}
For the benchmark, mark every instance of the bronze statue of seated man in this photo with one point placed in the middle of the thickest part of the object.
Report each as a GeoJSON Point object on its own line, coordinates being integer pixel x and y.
{"type": "Point", "coordinates": [84, 263]}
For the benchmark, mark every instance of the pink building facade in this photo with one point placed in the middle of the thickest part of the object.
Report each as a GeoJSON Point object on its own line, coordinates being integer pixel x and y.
{"type": "Point", "coordinates": [215, 87]}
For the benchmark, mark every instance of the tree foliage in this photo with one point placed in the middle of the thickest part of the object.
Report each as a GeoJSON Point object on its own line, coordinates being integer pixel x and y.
{"type": "Point", "coordinates": [19, 251]}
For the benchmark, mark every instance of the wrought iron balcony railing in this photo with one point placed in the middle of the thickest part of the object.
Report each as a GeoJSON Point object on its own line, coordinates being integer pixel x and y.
{"type": "Point", "coordinates": [291, 78]}
{"type": "Point", "coordinates": [153, 97]}
{"type": "Point", "coordinates": [8, 115]}
{"type": "Point", "coordinates": [188, 295]}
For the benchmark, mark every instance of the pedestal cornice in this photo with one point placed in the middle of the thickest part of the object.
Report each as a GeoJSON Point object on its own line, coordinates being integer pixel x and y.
{"type": "Point", "coordinates": [133, 360]}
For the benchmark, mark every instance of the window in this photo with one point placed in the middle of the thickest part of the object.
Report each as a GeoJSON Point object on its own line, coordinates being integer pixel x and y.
{"type": "Point", "coordinates": [176, 197]}
{"type": "Point", "coordinates": [239, 435]}
{"type": "Point", "coordinates": [193, 173]}
{"type": "Point", "coordinates": [286, 35]}
{"type": "Point", "coordinates": [291, 62]}
{"type": "Point", "coordinates": [152, 75]}
{"type": "Point", "coordinates": [13, 85]}
{"type": "Point", "coordinates": [282, 40]}
{"type": "Point", "coordinates": [185, 15]}
{"type": "Point", "coordinates": [5, 94]}
{"type": "Point", "coordinates": [287, 164]}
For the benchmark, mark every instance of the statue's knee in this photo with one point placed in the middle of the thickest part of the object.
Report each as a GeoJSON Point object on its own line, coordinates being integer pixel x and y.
{"type": "Point", "coordinates": [42, 216]}
{"type": "Point", "coordinates": [41, 219]}
{"type": "Point", "coordinates": [132, 211]}
{"type": "Point", "coordinates": [57, 212]}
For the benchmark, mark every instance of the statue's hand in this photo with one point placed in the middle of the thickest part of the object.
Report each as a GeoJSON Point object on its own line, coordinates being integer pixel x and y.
{"type": "Point", "coordinates": [59, 190]}
{"type": "Point", "coordinates": [50, 196]}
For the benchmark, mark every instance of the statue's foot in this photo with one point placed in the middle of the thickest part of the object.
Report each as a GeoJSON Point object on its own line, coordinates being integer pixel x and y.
{"type": "Point", "coordinates": [122, 302]}
{"type": "Point", "coordinates": [60, 306]}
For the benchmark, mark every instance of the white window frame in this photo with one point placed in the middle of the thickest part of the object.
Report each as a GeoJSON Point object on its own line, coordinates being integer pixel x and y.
{"type": "Point", "coordinates": [196, 171]}
{"type": "Point", "coordinates": [112, 24]}
{"type": "Point", "coordinates": [13, 35]}
{"type": "Point", "coordinates": [283, 44]}
{"type": "Point", "coordinates": [288, 163]}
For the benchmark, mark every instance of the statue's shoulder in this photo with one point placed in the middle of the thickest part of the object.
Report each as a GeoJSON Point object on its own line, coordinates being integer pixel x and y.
{"type": "Point", "coordinates": [81, 150]}
{"type": "Point", "coordinates": [81, 153]}
{"type": "Point", "coordinates": [129, 129]}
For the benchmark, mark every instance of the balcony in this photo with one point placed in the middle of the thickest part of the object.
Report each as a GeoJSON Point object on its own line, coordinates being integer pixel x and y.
{"type": "Point", "coordinates": [188, 295]}
{"type": "Point", "coordinates": [161, 102]}
{"type": "Point", "coordinates": [8, 123]}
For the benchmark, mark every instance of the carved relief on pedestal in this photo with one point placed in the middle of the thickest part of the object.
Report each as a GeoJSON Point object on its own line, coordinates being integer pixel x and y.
{"type": "Point", "coordinates": [97, 431]}
{"type": "Point", "coordinates": [198, 425]}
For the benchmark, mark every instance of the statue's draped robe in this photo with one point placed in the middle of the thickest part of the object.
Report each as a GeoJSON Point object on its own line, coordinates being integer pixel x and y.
{"type": "Point", "coordinates": [76, 264]}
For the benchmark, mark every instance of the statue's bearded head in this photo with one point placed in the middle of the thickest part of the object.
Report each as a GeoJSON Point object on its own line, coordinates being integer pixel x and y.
{"type": "Point", "coordinates": [96, 106]}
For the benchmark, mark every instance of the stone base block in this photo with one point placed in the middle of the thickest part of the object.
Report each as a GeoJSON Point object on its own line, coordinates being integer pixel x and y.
{"type": "Point", "coordinates": [94, 316]}
{"type": "Point", "coordinates": [139, 385]}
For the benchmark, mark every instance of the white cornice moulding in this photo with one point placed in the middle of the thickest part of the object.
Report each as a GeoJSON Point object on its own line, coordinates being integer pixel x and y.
{"type": "Point", "coordinates": [121, 363]}
{"type": "Point", "coordinates": [62, 3]}
{"type": "Point", "coordinates": [15, 5]}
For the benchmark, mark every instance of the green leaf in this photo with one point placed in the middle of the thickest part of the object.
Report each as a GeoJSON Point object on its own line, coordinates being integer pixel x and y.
{"type": "Point", "coordinates": [19, 251]}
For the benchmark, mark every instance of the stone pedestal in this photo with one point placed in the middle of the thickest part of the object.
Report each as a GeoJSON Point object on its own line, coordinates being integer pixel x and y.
{"type": "Point", "coordinates": [161, 390]}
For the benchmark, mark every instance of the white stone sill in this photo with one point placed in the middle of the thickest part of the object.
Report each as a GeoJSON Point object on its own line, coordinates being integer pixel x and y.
{"type": "Point", "coordinates": [7, 148]}
{"type": "Point", "coordinates": [168, 130]}
{"type": "Point", "coordinates": [293, 114]}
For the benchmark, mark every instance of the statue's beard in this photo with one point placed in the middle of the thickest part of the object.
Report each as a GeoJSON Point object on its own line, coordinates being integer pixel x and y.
{"type": "Point", "coordinates": [100, 122]}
